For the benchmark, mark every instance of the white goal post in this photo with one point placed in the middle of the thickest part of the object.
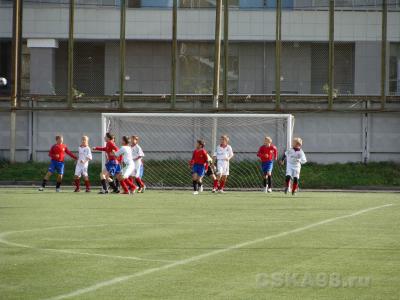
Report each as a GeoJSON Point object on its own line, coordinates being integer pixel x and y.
{"type": "Point", "coordinates": [168, 140]}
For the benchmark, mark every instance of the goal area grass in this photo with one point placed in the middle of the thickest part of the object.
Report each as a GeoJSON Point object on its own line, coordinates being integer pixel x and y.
{"type": "Point", "coordinates": [174, 245]}
{"type": "Point", "coordinates": [245, 174]}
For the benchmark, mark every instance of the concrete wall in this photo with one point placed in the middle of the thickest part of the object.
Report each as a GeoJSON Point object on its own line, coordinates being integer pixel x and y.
{"type": "Point", "coordinates": [328, 137]}
{"type": "Point", "coordinates": [51, 21]}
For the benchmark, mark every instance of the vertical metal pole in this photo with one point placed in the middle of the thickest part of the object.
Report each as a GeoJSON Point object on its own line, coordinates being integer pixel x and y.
{"type": "Point", "coordinates": [383, 54]}
{"type": "Point", "coordinates": [173, 52]}
{"type": "Point", "coordinates": [226, 51]}
{"type": "Point", "coordinates": [122, 57]}
{"type": "Point", "coordinates": [278, 48]}
{"type": "Point", "coordinates": [16, 74]}
{"type": "Point", "coordinates": [331, 66]}
{"type": "Point", "coordinates": [70, 91]}
{"type": "Point", "coordinates": [217, 53]}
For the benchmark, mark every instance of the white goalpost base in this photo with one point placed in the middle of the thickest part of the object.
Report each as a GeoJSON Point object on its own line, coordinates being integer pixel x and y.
{"type": "Point", "coordinates": [168, 140]}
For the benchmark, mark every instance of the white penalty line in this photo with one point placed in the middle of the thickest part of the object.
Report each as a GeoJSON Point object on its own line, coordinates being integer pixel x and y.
{"type": "Point", "coordinates": [120, 279]}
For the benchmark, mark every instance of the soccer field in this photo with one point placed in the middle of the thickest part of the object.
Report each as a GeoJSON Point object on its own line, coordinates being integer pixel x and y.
{"type": "Point", "coordinates": [173, 245]}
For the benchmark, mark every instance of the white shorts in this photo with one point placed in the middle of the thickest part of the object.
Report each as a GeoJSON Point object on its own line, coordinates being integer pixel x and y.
{"type": "Point", "coordinates": [127, 170]}
{"type": "Point", "coordinates": [293, 171]}
{"type": "Point", "coordinates": [81, 170]}
{"type": "Point", "coordinates": [223, 167]}
{"type": "Point", "coordinates": [137, 168]}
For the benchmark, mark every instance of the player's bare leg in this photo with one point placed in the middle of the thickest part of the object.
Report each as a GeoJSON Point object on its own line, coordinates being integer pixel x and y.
{"type": "Point", "coordinates": [45, 180]}
{"type": "Point", "coordinates": [77, 182]}
{"type": "Point", "coordinates": [59, 181]}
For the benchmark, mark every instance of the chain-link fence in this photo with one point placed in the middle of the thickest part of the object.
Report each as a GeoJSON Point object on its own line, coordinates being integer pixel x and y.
{"type": "Point", "coordinates": [90, 72]}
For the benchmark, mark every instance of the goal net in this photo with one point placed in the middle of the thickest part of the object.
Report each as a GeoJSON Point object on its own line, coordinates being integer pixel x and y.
{"type": "Point", "coordinates": [168, 141]}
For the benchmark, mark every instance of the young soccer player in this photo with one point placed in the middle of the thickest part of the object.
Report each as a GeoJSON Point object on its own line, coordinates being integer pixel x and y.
{"type": "Point", "coordinates": [267, 154]}
{"type": "Point", "coordinates": [198, 164]}
{"type": "Point", "coordinates": [112, 166]}
{"type": "Point", "coordinates": [82, 165]}
{"type": "Point", "coordinates": [57, 155]}
{"type": "Point", "coordinates": [123, 177]}
{"type": "Point", "coordinates": [295, 157]}
{"type": "Point", "coordinates": [223, 155]}
{"type": "Point", "coordinates": [137, 155]}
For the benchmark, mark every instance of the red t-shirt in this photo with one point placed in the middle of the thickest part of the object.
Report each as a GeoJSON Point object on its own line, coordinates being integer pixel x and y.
{"type": "Point", "coordinates": [199, 157]}
{"type": "Point", "coordinates": [57, 152]}
{"type": "Point", "coordinates": [108, 149]}
{"type": "Point", "coordinates": [267, 153]}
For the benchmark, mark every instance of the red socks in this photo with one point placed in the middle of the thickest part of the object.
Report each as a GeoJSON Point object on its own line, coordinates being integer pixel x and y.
{"type": "Point", "coordinates": [295, 185]}
{"type": "Point", "coordinates": [215, 184]}
{"type": "Point", "coordinates": [140, 181]}
{"type": "Point", "coordinates": [77, 183]}
{"type": "Point", "coordinates": [129, 182]}
{"type": "Point", "coordinates": [124, 186]}
{"type": "Point", "coordinates": [87, 184]}
{"type": "Point", "coordinates": [222, 185]}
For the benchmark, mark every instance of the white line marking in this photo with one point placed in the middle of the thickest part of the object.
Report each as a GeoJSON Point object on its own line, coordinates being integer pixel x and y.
{"type": "Point", "coordinates": [119, 279]}
{"type": "Point", "coordinates": [6, 242]}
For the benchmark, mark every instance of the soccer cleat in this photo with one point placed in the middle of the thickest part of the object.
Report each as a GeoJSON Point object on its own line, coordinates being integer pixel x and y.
{"type": "Point", "coordinates": [116, 191]}
{"type": "Point", "coordinates": [77, 190]}
{"type": "Point", "coordinates": [58, 190]}
{"type": "Point", "coordinates": [125, 193]}
{"type": "Point", "coordinates": [201, 189]}
{"type": "Point", "coordinates": [103, 192]}
{"type": "Point", "coordinates": [286, 190]}
{"type": "Point", "coordinates": [87, 190]}
{"type": "Point", "coordinates": [293, 193]}
{"type": "Point", "coordinates": [269, 190]}
{"type": "Point", "coordinates": [213, 190]}
{"type": "Point", "coordinates": [41, 189]}
{"type": "Point", "coordinates": [195, 193]}
{"type": "Point", "coordinates": [221, 191]}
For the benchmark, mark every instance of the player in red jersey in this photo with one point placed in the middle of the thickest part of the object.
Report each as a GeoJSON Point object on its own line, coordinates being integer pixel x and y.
{"type": "Point", "coordinates": [198, 164]}
{"type": "Point", "coordinates": [112, 167]}
{"type": "Point", "coordinates": [57, 155]}
{"type": "Point", "coordinates": [267, 154]}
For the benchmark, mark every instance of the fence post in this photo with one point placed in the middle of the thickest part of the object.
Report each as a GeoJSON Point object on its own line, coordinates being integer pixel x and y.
{"type": "Point", "coordinates": [70, 80]}
{"type": "Point", "coordinates": [226, 51]}
{"type": "Point", "coordinates": [383, 54]}
{"type": "Point", "coordinates": [331, 62]}
{"type": "Point", "coordinates": [278, 49]}
{"type": "Point", "coordinates": [217, 53]}
{"type": "Point", "coordinates": [16, 74]}
{"type": "Point", "coordinates": [122, 58]}
{"type": "Point", "coordinates": [173, 52]}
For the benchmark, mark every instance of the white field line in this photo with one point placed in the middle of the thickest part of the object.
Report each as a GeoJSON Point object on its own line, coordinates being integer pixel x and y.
{"type": "Point", "coordinates": [120, 279]}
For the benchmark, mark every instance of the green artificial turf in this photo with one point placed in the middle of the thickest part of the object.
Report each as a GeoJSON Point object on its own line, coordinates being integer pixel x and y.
{"type": "Point", "coordinates": [173, 245]}
{"type": "Point", "coordinates": [244, 174]}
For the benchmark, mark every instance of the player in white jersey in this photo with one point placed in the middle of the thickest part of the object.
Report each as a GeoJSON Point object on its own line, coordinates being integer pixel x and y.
{"type": "Point", "coordinates": [123, 177]}
{"type": "Point", "coordinates": [82, 165]}
{"type": "Point", "coordinates": [295, 157]}
{"type": "Point", "coordinates": [223, 154]}
{"type": "Point", "coordinates": [137, 155]}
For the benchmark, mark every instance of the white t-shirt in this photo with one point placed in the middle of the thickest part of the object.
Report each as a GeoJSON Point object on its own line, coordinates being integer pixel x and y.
{"type": "Point", "coordinates": [223, 153]}
{"type": "Point", "coordinates": [85, 154]}
{"type": "Point", "coordinates": [295, 158]}
{"type": "Point", "coordinates": [137, 152]}
{"type": "Point", "coordinates": [126, 152]}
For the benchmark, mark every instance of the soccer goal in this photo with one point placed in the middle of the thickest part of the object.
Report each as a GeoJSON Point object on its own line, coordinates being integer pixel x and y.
{"type": "Point", "coordinates": [168, 140]}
